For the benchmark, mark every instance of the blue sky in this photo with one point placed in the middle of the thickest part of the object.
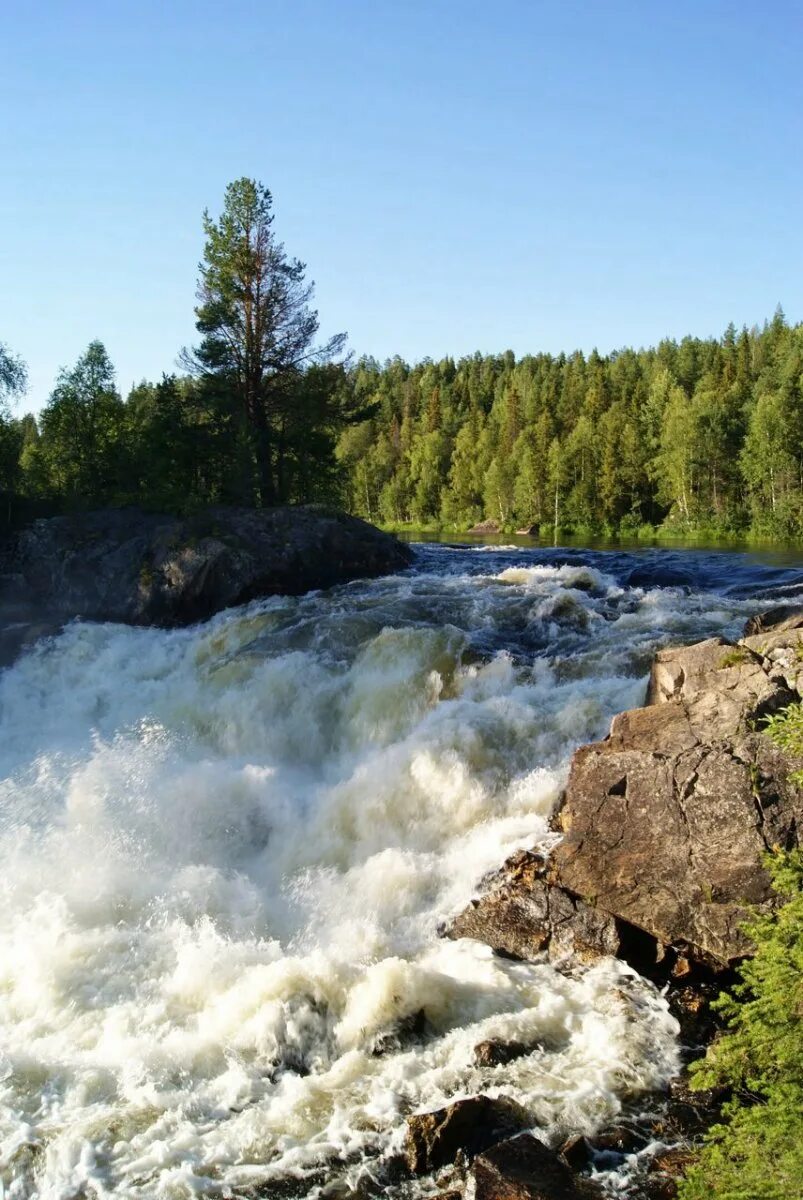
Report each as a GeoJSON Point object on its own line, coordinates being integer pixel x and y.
{"type": "Point", "coordinates": [459, 176]}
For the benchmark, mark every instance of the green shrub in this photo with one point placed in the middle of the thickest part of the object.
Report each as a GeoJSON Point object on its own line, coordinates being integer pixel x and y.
{"type": "Point", "coordinates": [733, 657]}
{"type": "Point", "coordinates": [757, 1151]}
{"type": "Point", "coordinates": [786, 730]}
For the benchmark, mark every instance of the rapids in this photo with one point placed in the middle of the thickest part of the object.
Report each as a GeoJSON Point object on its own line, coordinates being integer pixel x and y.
{"type": "Point", "coordinates": [226, 852]}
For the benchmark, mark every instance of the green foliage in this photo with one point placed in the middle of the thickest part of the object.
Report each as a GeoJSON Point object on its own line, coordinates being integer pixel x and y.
{"type": "Point", "coordinates": [82, 449]}
{"type": "Point", "coordinates": [13, 375]}
{"type": "Point", "coordinates": [258, 356]}
{"type": "Point", "coordinates": [786, 730]}
{"type": "Point", "coordinates": [703, 436]}
{"type": "Point", "coordinates": [733, 657]}
{"type": "Point", "coordinates": [757, 1152]}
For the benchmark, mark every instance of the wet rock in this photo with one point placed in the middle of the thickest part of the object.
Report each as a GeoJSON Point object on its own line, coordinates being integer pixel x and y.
{"type": "Point", "coordinates": [577, 1151]}
{"type": "Point", "coordinates": [408, 1030]}
{"type": "Point", "coordinates": [781, 619]}
{"type": "Point", "coordinates": [690, 1002]}
{"type": "Point", "coordinates": [618, 1139]}
{"type": "Point", "coordinates": [523, 1168]}
{"type": "Point", "coordinates": [660, 574]}
{"type": "Point", "coordinates": [656, 1187]}
{"type": "Point", "coordinates": [466, 1127]}
{"type": "Point", "coordinates": [497, 1054]}
{"type": "Point", "coordinates": [520, 914]}
{"type": "Point", "coordinates": [145, 569]}
{"type": "Point", "coordinates": [686, 1113]}
{"type": "Point", "coordinates": [667, 820]}
{"type": "Point", "coordinates": [489, 526]}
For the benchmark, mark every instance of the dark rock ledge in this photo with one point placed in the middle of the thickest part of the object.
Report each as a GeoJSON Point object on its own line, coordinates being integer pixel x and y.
{"type": "Point", "coordinates": [148, 569]}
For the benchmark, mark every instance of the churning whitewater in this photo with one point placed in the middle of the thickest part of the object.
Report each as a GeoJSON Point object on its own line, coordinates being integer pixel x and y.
{"type": "Point", "coordinates": [226, 853]}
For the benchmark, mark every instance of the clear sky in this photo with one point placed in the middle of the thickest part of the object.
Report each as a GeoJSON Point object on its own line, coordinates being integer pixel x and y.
{"type": "Point", "coordinates": [458, 175]}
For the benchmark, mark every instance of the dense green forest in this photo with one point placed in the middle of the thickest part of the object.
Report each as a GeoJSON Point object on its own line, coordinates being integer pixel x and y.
{"type": "Point", "coordinates": [697, 435]}
{"type": "Point", "coordinates": [701, 435]}
{"type": "Point", "coordinates": [253, 418]}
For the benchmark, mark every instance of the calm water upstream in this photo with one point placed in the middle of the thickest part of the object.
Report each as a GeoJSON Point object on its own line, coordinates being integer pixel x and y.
{"type": "Point", "coordinates": [226, 852]}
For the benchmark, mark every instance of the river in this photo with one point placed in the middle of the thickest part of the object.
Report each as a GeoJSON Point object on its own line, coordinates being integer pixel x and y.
{"type": "Point", "coordinates": [227, 850]}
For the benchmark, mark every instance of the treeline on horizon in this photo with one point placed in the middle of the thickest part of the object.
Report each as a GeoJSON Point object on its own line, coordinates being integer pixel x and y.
{"type": "Point", "coordinates": [696, 436]}
{"type": "Point", "coordinates": [702, 435]}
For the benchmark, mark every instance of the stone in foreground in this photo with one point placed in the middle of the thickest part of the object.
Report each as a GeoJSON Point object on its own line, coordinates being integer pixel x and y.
{"type": "Point", "coordinates": [523, 1168]}
{"type": "Point", "coordinates": [666, 822]}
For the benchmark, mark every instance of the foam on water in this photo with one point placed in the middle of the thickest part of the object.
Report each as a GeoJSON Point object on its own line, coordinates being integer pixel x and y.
{"type": "Point", "coordinates": [226, 853]}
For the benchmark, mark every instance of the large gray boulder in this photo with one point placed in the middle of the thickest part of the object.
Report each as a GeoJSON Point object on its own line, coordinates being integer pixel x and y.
{"type": "Point", "coordinates": [148, 569]}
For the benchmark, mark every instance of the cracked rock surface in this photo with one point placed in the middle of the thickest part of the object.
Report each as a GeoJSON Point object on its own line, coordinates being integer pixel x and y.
{"type": "Point", "coordinates": [667, 820]}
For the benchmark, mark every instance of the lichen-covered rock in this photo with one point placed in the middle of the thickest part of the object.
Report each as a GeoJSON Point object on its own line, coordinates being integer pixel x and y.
{"type": "Point", "coordinates": [783, 653]}
{"type": "Point", "coordinates": [721, 685]}
{"type": "Point", "coordinates": [467, 1127]}
{"type": "Point", "coordinates": [145, 569]}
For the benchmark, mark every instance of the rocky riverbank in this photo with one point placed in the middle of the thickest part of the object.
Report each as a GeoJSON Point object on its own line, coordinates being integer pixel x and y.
{"type": "Point", "coordinates": [665, 827]}
{"type": "Point", "coordinates": [142, 568]}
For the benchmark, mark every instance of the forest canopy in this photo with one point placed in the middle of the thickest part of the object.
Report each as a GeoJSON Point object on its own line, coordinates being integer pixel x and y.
{"type": "Point", "coordinates": [697, 435]}
{"type": "Point", "coordinates": [704, 435]}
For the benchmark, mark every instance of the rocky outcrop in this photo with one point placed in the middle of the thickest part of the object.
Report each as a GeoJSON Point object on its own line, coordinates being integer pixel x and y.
{"type": "Point", "coordinates": [488, 526]}
{"type": "Point", "coordinates": [465, 1129]}
{"type": "Point", "coordinates": [776, 620]}
{"type": "Point", "coordinates": [666, 821]}
{"type": "Point", "coordinates": [520, 913]}
{"type": "Point", "coordinates": [146, 569]}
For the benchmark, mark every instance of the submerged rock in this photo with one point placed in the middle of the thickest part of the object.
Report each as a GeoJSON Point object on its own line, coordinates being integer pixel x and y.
{"type": "Point", "coordinates": [493, 1053]}
{"type": "Point", "coordinates": [145, 569]}
{"type": "Point", "coordinates": [466, 1127]}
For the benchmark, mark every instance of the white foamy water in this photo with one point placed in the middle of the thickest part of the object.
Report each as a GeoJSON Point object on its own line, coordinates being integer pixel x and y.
{"type": "Point", "coordinates": [226, 852]}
